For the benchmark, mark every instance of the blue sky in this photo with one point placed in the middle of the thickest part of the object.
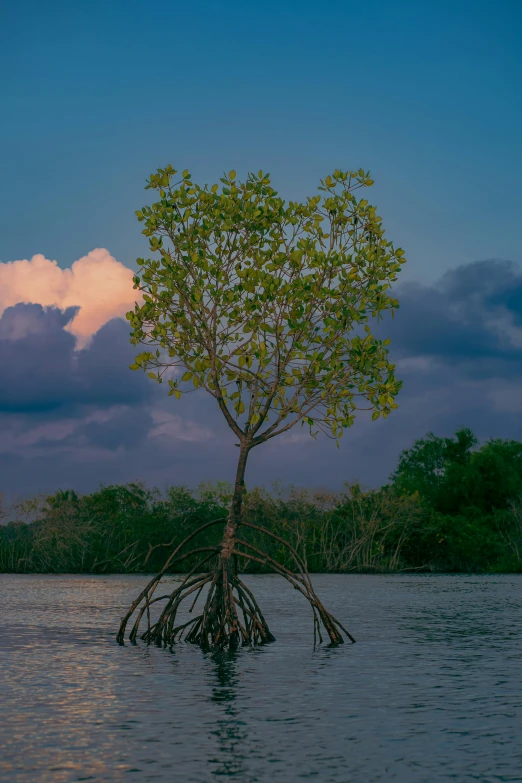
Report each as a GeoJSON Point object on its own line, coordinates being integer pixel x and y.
{"type": "Point", "coordinates": [425, 95]}
{"type": "Point", "coordinates": [99, 94]}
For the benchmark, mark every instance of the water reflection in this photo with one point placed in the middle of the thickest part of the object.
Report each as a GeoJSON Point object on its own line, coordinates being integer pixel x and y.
{"type": "Point", "coordinates": [225, 675]}
{"type": "Point", "coordinates": [230, 733]}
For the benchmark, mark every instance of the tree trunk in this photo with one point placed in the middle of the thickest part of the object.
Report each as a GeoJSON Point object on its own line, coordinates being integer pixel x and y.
{"type": "Point", "coordinates": [234, 517]}
{"type": "Point", "coordinates": [220, 609]}
{"type": "Point", "coordinates": [219, 625]}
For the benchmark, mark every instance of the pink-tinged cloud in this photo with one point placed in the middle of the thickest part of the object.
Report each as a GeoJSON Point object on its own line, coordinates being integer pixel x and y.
{"type": "Point", "coordinates": [97, 283]}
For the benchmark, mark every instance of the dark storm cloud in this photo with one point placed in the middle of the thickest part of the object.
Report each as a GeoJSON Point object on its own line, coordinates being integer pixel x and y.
{"type": "Point", "coordinates": [41, 371]}
{"type": "Point", "coordinates": [35, 357]}
{"type": "Point", "coordinates": [468, 320]}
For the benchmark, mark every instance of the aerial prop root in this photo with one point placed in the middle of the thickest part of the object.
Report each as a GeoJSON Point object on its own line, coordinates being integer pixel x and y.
{"type": "Point", "coordinates": [231, 616]}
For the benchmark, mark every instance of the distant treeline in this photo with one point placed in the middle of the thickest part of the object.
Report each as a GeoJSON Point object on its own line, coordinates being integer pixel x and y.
{"type": "Point", "coordinates": [451, 505]}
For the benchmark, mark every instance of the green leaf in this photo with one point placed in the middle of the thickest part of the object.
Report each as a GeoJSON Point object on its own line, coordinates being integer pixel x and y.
{"type": "Point", "coordinates": [187, 376]}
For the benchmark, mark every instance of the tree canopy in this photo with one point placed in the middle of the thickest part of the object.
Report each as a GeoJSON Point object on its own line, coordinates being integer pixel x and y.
{"type": "Point", "coordinates": [456, 475]}
{"type": "Point", "coordinates": [267, 305]}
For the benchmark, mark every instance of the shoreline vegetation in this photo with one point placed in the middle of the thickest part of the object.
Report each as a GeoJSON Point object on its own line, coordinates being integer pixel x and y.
{"type": "Point", "coordinates": [451, 506]}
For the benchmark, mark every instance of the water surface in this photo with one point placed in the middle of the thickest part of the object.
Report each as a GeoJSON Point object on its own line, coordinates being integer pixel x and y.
{"type": "Point", "coordinates": [432, 691]}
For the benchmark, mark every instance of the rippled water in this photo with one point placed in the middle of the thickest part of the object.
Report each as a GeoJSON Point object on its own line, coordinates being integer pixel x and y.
{"type": "Point", "coordinates": [431, 692]}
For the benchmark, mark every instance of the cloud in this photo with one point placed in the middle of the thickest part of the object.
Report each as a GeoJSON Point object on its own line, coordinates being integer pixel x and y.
{"type": "Point", "coordinates": [98, 285]}
{"type": "Point", "coordinates": [470, 320]}
{"type": "Point", "coordinates": [168, 425]}
{"type": "Point", "coordinates": [77, 418]}
{"type": "Point", "coordinates": [81, 416]}
{"type": "Point", "coordinates": [42, 371]}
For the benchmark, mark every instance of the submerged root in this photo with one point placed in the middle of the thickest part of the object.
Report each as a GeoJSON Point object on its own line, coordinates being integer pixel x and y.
{"type": "Point", "coordinates": [231, 616]}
